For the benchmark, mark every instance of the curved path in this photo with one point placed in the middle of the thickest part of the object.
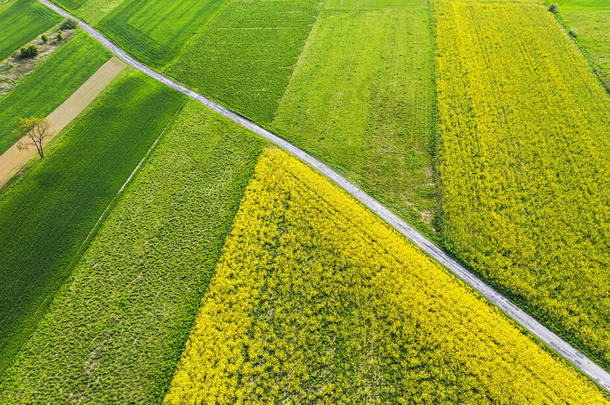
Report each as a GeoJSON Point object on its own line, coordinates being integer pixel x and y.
{"type": "Point", "coordinates": [561, 346]}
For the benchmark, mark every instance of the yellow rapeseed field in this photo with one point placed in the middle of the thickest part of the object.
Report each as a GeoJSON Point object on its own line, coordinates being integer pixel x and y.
{"type": "Point", "coordinates": [315, 299]}
{"type": "Point", "coordinates": [524, 162]}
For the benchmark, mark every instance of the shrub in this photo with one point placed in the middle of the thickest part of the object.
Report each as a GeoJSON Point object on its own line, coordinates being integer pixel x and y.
{"type": "Point", "coordinates": [60, 35]}
{"type": "Point", "coordinates": [68, 25]}
{"type": "Point", "coordinates": [573, 34]}
{"type": "Point", "coordinates": [44, 38]}
{"type": "Point", "coordinates": [553, 9]}
{"type": "Point", "coordinates": [30, 52]}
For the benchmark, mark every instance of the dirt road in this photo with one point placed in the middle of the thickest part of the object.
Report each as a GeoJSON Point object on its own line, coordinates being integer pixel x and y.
{"type": "Point", "coordinates": [13, 159]}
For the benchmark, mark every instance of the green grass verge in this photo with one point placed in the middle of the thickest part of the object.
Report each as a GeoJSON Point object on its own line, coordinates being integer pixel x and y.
{"type": "Point", "coordinates": [50, 84]}
{"type": "Point", "coordinates": [245, 56]}
{"type": "Point", "coordinates": [154, 31]}
{"type": "Point", "coordinates": [117, 330]}
{"type": "Point", "coordinates": [362, 100]}
{"type": "Point", "coordinates": [21, 22]}
{"type": "Point", "coordinates": [46, 217]}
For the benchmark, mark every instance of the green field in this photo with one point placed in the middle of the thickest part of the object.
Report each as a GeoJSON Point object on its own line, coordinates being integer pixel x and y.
{"type": "Point", "coordinates": [245, 56]}
{"type": "Point", "coordinates": [362, 100]}
{"type": "Point", "coordinates": [524, 168]}
{"type": "Point", "coordinates": [50, 84]}
{"type": "Point", "coordinates": [126, 312]}
{"type": "Point", "coordinates": [590, 20]}
{"type": "Point", "coordinates": [21, 22]}
{"type": "Point", "coordinates": [155, 31]}
{"type": "Point", "coordinates": [46, 217]}
{"type": "Point", "coordinates": [91, 11]}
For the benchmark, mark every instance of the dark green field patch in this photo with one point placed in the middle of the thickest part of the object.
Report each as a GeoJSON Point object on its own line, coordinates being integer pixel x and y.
{"type": "Point", "coordinates": [46, 217]}
{"type": "Point", "coordinates": [50, 84]}
{"type": "Point", "coordinates": [21, 22]}
{"type": "Point", "coordinates": [155, 31]}
{"type": "Point", "coordinates": [116, 332]}
{"type": "Point", "coordinates": [245, 56]}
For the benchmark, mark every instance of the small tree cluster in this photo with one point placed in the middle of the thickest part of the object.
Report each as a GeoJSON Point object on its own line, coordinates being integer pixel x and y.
{"type": "Point", "coordinates": [30, 52]}
{"type": "Point", "coordinates": [68, 25]}
{"type": "Point", "coordinates": [44, 38]}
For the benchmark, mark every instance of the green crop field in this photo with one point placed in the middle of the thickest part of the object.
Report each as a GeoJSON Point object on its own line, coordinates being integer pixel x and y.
{"type": "Point", "coordinates": [91, 11]}
{"type": "Point", "coordinates": [155, 31]}
{"type": "Point", "coordinates": [524, 165]}
{"type": "Point", "coordinates": [590, 20]}
{"type": "Point", "coordinates": [50, 84]}
{"type": "Point", "coordinates": [137, 289]}
{"type": "Point", "coordinates": [46, 217]}
{"type": "Point", "coordinates": [21, 22]}
{"type": "Point", "coordinates": [362, 100]}
{"type": "Point", "coordinates": [245, 56]}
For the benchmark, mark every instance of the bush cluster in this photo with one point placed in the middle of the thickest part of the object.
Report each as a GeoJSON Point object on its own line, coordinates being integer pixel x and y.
{"type": "Point", "coordinates": [30, 51]}
{"type": "Point", "coordinates": [68, 25]}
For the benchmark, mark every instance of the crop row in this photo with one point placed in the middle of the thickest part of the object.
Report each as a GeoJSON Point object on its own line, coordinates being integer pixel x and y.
{"type": "Point", "coordinates": [317, 300]}
{"type": "Point", "coordinates": [524, 163]}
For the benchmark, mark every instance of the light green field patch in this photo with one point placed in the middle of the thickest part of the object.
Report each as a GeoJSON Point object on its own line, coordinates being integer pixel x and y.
{"type": "Point", "coordinates": [91, 11]}
{"type": "Point", "coordinates": [361, 100]}
{"type": "Point", "coordinates": [94, 10]}
{"type": "Point", "coordinates": [590, 21]}
{"type": "Point", "coordinates": [245, 56]}
{"type": "Point", "coordinates": [360, 4]}
{"type": "Point", "coordinates": [154, 31]}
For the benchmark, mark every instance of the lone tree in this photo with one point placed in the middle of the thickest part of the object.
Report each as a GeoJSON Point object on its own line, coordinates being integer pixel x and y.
{"type": "Point", "coordinates": [35, 130]}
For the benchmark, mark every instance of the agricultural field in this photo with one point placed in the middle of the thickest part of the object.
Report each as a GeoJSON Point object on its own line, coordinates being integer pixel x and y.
{"type": "Point", "coordinates": [155, 31]}
{"type": "Point", "coordinates": [362, 100]}
{"type": "Point", "coordinates": [91, 11]}
{"type": "Point", "coordinates": [50, 84]}
{"type": "Point", "coordinates": [47, 216]}
{"type": "Point", "coordinates": [163, 253]}
{"type": "Point", "coordinates": [590, 21]}
{"type": "Point", "coordinates": [245, 56]}
{"type": "Point", "coordinates": [524, 166]}
{"type": "Point", "coordinates": [316, 300]}
{"type": "Point", "coordinates": [22, 21]}
{"type": "Point", "coordinates": [137, 288]}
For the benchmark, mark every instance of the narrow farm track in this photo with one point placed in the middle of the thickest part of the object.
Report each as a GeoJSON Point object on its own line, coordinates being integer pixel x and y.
{"type": "Point", "coordinates": [566, 350]}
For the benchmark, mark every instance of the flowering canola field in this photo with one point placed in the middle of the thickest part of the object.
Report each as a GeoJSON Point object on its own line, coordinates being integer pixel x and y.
{"type": "Point", "coordinates": [524, 169]}
{"type": "Point", "coordinates": [315, 299]}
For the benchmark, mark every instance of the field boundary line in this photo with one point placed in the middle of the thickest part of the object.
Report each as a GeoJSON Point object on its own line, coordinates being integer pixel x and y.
{"type": "Point", "coordinates": [570, 353]}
